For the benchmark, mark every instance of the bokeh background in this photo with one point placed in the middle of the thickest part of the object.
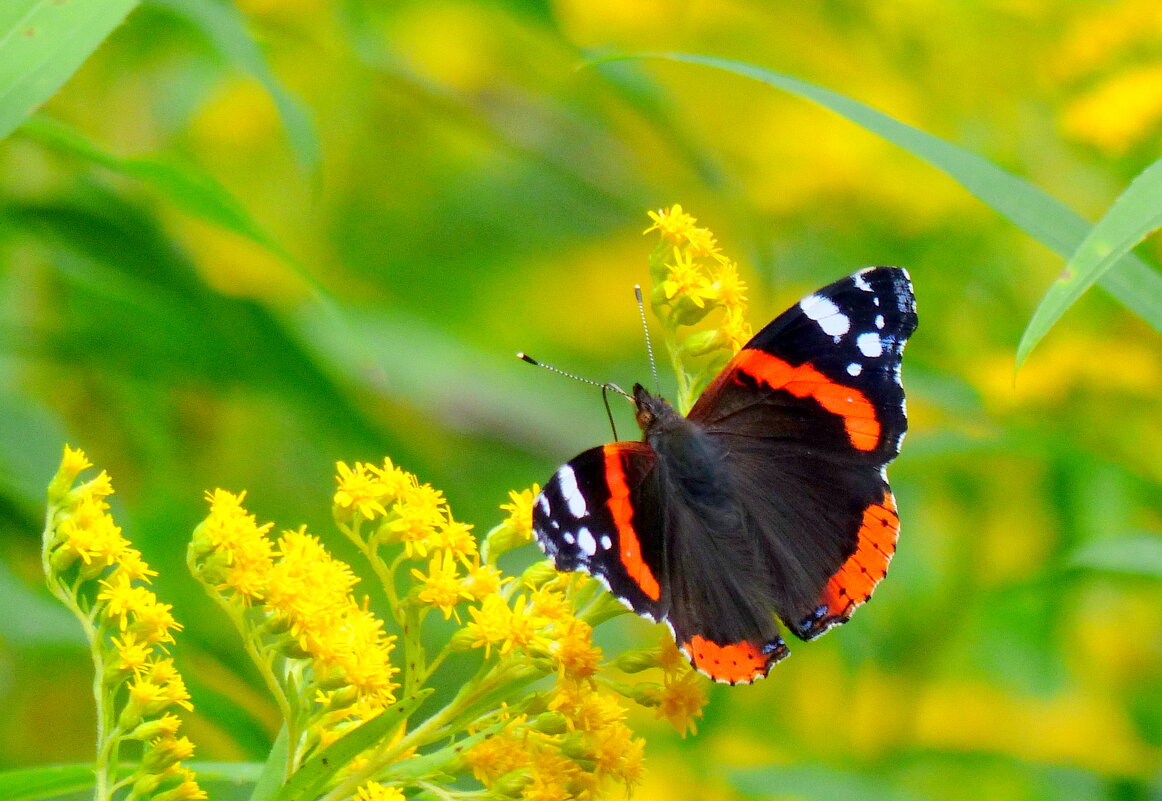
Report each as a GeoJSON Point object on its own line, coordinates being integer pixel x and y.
{"type": "Point", "coordinates": [420, 189]}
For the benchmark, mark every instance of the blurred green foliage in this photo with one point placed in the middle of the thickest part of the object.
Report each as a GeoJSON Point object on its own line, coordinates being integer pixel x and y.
{"type": "Point", "coordinates": [242, 243]}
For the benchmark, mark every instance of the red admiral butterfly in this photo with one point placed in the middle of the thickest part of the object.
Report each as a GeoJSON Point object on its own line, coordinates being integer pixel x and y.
{"type": "Point", "coordinates": [769, 499]}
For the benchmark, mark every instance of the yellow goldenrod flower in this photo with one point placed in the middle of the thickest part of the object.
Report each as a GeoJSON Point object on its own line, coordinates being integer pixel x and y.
{"type": "Point", "coordinates": [484, 580]}
{"type": "Point", "coordinates": [550, 604]}
{"type": "Point", "coordinates": [441, 585]}
{"type": "Point", "coordinates": [681, 701]}
{"type": "Point", "coordinates": [418, 514]}
{"type": "Point", "coordinates": [360, 490]}
{"type": "Point", "coordinates": [730, 288]}
{"type": "Point", "coordinates": [393, 481]}
{"type": "Point", "coordinates": [187, 789]}
{"type": "Point", "coordinates": [551, 775]}
{"type": "Point", "coordinates": [374, 791]}
{"type": "Point", "coordinates": [132, 656]}
{"type": "Point", "coordinates": [573, 649]}
{"type": "Point", "coordinates": [686, 281]}
{"type": "Point", "coordinates": [520, 511]}
{"type": "Point", "coordinates": [490, 624]}
{"type": "Point", "coordinates": [673, 223]}
{"type": "Point", "coordinates": [454, 537]}
{"type": "Point", "coordinates": [122, 598]}
{"type": "Point", "coordinates": [497, 756]}
{"type": "Point", "coordinates": [74, 462]}
{"type": "Point", "coordinates": [154, 621]}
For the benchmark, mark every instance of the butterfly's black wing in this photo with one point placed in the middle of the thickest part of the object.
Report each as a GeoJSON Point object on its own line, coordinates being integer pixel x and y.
{"type": "Point", "coordinates": [807, 416]}
{"type": "Point", "coordinates": [601, 513]}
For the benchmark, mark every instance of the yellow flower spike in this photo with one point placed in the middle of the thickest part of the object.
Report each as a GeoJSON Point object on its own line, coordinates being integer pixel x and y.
{"type": "Point", "coordinates": [441, 585]}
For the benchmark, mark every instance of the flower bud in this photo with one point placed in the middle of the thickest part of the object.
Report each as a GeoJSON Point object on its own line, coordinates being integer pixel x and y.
{"type": "Point", "coordinates": [637, 660]}
{"type": "Point", "coordinates": [551, 723]}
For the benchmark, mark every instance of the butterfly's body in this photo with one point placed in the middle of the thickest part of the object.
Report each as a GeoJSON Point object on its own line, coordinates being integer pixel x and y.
{"type": "Point", "coordinates": [769, 500]}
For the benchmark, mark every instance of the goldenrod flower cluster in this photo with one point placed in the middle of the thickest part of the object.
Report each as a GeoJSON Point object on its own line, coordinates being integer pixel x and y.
{"type": "Point", "coordinates": [691, 279]}
{"type": "Point", "coordinates": [95, 572]}
{"type": "Point", "coordinates": [325, 657]}
{"type": "Point", "coordinates": [540, 715]}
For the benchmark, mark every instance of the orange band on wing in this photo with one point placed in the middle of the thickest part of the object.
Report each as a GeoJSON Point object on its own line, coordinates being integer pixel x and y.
{"type": "Point", "coordinates": [853, 583]}
{"type": "Point", "coordinates": [629, 549]}
{"type": "Point", "coordinates": [734, 663]}
{"type": "Point", "coordinates": [804, 381]}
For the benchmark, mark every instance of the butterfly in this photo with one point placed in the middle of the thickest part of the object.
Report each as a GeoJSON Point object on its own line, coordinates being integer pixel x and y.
{"type": "Point", "coordinates": [770, 499]}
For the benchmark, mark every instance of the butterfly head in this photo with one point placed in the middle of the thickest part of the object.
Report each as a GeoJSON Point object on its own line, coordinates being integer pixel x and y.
{"type": "Point", "coordinates": [653, 411]}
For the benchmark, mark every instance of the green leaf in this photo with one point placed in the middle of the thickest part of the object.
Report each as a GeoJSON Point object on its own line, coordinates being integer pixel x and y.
{"type": "Point", "coordinates": [1134, 215]}
{"type": "Point", "coordinates": [42, 43]}
{"type": "Point", "coordinates": [41, 783]}
{"type": "Point", "coordinates": [310, 780]}
{"type": "Point", "coordinates": [1034, 211]}
{"type": "Point", "coordinates": [273, 773]}
{"type": "Point", "coordinates": [1133, 554]}
{"type": "Point", "coordinates": [189, 188]}
{"type": "Point", "coordinates": [224, 27]}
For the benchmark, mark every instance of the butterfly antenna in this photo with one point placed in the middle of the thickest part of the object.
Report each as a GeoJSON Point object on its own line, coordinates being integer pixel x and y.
{"type": "Point", "coordinates": [641, 308]}
{"type": "Point", "coordinates": [606, 388]}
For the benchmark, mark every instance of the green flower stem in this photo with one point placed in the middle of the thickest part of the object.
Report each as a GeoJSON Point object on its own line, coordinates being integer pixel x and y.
{"type": "Point", "coordinates": [250, 642]}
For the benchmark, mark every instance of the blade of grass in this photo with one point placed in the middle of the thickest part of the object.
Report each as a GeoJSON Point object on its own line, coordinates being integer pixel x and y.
{"type": "Point", "coordinates": [42, 43]}
{"type": "Point", "coordinates": [1034, 211]}
{"type": "Point", "coordinates": [1137, 554]}
{"type": "Point", "coordinates": [1134, 215]}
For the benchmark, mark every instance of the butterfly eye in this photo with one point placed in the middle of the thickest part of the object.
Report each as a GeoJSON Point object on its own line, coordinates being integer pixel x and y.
{"type": "Point", "coordinates": [645, 417]}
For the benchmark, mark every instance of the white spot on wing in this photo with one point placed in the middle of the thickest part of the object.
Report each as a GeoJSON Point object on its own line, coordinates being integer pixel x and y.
{"type": "Point", "coordinates": [585, 542]}
{"type": "Point", "coordinates": [543, 503]}
{"type": "Point", "coordinates": [606, 542]}
{"type": "Point", "coordinates": [879, 321]}
{"type": "Point", "coordinates": [568, 537]}
{"type": "Point", "coordinates": [861, 282]}
{"type": "Point", "coordinates": [869, 345]}
{"type": "Point", "coordinates": [572, 492]}
{"type": "Point", "coordinates": [854, 369]}
{"type": "Point", "coordinates": [823, 311]}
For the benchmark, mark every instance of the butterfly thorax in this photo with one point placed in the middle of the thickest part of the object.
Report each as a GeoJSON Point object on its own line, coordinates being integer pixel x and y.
{"type": "Point", "coordinates": [691, 461]}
